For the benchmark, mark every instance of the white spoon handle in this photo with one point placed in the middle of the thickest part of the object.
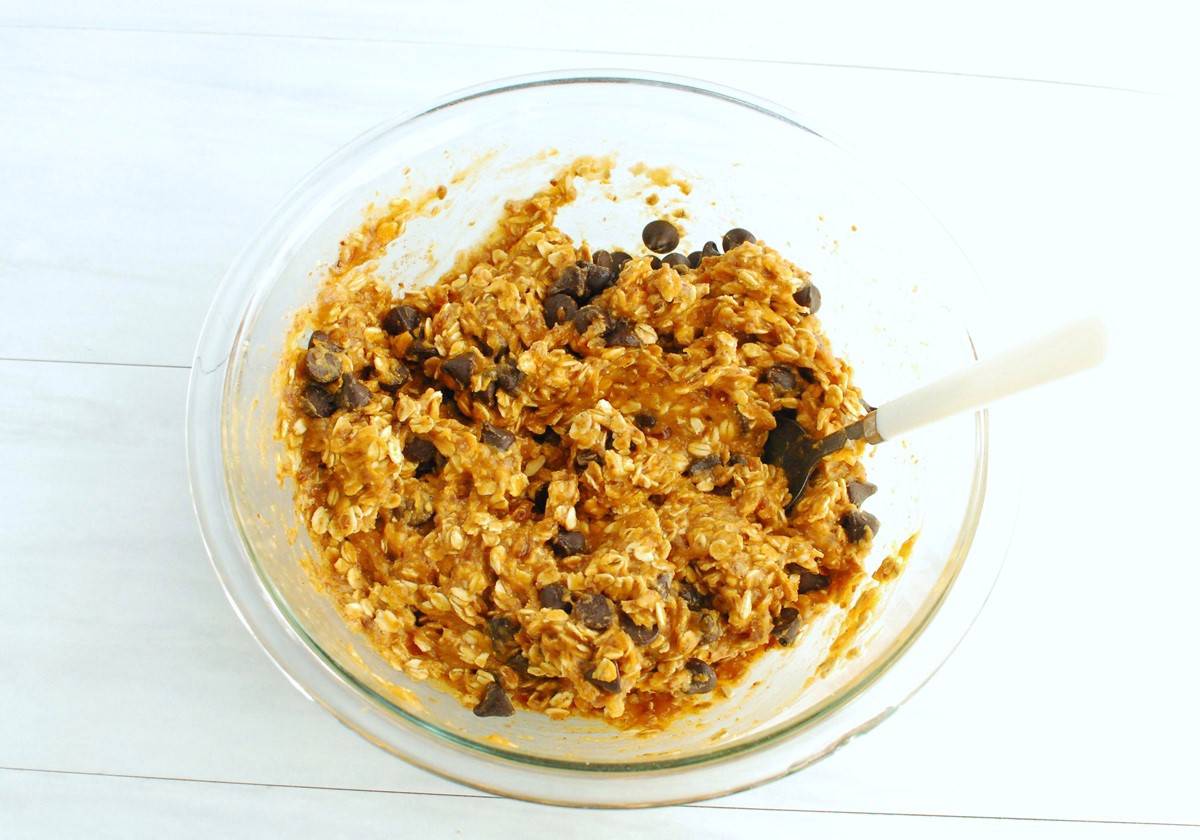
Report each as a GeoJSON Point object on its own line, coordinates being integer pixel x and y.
{"type": "Point", "coordinates": [1068, 350]}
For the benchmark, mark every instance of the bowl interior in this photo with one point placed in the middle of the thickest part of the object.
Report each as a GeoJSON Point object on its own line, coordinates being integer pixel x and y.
{"type": "Point", "coordinates": [891, 282]}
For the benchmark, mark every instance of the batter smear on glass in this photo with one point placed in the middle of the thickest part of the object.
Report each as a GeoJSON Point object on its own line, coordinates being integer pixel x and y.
{"type": "Point", "coordinates": [538, 481]}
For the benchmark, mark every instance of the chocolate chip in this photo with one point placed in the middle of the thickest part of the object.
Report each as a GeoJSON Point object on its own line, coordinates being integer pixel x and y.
{"type": "Point", "coordinates": [691, 595]}
{"type": "Point", "coordinates": [662, 583]}
{"type": "Point", "coordinates": [559, 309]}
{"type": "Point", "coordinates": [660, 236]}
{"type": "Point", "coordinates": [496, 437]}
{"type": "Point", "coordinates": [353, 394]}
{"type": "Point", "coordinates": [655, 263]}
{"type": "Point", "coordinates": [786, 626]}
{"type": "Point", "coordinates": [858, 524]}
{"type": "Point", "coordinates": [317, 401]}
{"type": "Point", "coordinates": [612, 686]}
{"type": "Point", "coordinates": [736, 237]}
{"type": "Point", "coordinates": [809, 581]}
{"type": "Point", "coordinates": [620, 334]}
{"type": "Point", "coordinates": [568, 543]}
{"type": "Point", "coordinates": [736, 459]}
{"type": "Point", "coordinates": [421, 351]}
{"type": "Point", "coordinates": [702, 465]}
{"type": "Point", "coordinates": [619, 258]}
{"type": "Point", "coordinates": [809, 297]}
{"type": "Point", "coordinates": [783, 378]}
{"type": "Point", "coordinates": [595, 612]}
{"type": "Point", "coordinates": [540, 496]}
{"type": "Point", "coordinates": [710, 627]}
{"type": "Point", "coordinates": [502, 629]}
{"type": "Point", "coordinates": [704, 678]}
{"type": "Point", "coordinates": [553, 596]}
{"type": "Point", "coordinates": [322, 337]}
{"type": "Point", "coordinates": [495, 702]}
{"type": "Point", "coordinates": [639, 635]}
{"type": "Point", "coordinates": [572, 282]}
{"type": "Point", "coordinates": [675, 260]}
{"type": "Point", "coordinates": [603, 259]}
{"type": "Point", "coordinates": [519, 662]}
{"type": "Point", "coordinates": [587, 316]}
{"type": "Point", "coordinates": [401, 319]}
{"type": "Point", "coordinates": [322, 363]}
{"type": "Point", "coordinates": [644, 420]}
{"type": "Point", "coordinates": [694, 259]}
{"type": "Point", "coordinates": [460, 369]}
{"type": "Point", "coordinates": [710, 250]}
{"type": "Point", "coordinates": [420, 451]}
{"type": "Point", "coordinates": [860, 491]}
{"type": "Point", "coordinates": [598, 278]}
{"type": "Point", "coordinates": [509, 377]}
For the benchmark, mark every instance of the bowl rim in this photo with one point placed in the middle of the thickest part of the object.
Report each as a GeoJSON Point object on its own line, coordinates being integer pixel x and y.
{"type": "Point", "coordinates": [264, 611]}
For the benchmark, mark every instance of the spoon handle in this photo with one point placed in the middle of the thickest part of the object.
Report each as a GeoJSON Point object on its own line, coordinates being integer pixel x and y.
{"type": "Point", "coordinates": [1068, 350]}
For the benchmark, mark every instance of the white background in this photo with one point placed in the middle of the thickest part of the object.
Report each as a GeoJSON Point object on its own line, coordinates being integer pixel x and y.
{"type": "Point", "coordinates": [141, 145]}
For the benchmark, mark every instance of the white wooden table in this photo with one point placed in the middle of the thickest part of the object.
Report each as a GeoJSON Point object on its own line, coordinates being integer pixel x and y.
{"type": "Point", "coordinates": [142, 143]}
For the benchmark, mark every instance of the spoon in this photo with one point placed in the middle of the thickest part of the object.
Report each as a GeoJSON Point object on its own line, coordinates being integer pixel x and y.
{"type": "Point", "coordinates": [1068, 350]}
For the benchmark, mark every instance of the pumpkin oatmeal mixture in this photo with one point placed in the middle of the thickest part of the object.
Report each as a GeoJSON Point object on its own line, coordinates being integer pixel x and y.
{"type": "Point", "coordinates": [539, 481]}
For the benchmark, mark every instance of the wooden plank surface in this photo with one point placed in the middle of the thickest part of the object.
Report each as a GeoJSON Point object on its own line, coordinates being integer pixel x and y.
{"type": "Point", "coordinates": [137, 163]}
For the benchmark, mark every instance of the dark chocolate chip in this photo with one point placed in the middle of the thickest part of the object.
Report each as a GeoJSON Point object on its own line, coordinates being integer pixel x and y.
{"type": "Point", "coordinates": [587, 316]}
{"type": "Point", "coordinates": [736, 237]}
{"type": "Point", "coordinates": [421, 351]}
{"type": "Point", "coordinates": [603, 259]}
{"type": "Point", "coordinates": [619, 258]}
{"type": "Point", "coordinates": [495, 702]}
{"type": "Point", "coordinates": [702, 465]}
{"type": "Point", "coordinates": [809, 297]}
{"type": "Point", "coordinates": [553, 596]}
{"type": "Point", "coordinates": [401, 319]}
{"type": "Point", "coordinates": [322, 363]}
{"type": "Point", "coordinates": [595, 612]}
{"type": "Point", "coordinates": [660, 236]}
{"type": "Point", "coordinates": [598, 278]}
{"type": "Point", "coordinates": [540, 496]}
{"type": "Point", "coordinates": [710, 627]}
{"type": "Point", "coordinates": [704, 678]}
{"type": "Point", "coordinates": [509, 377]}
{"type": "Point", "coordinates": [809, 581]}
{"type": "Point", "coordinates": [353, 394]}
{"type": "Point", "coordinates": [496, 437]}
{"type": "Point", "coordinates": [675, 260]}
{"type": "Point", "coordinates": [723, 490]}
{"type": "Point", "coordinates": [736, 459]}
{"type": "Point", "coordinates": [645, 420]}
{"type": "Point", "coordinates": [710, 249]}
{"type": "Point", "coordinates": [655, 263]}
{"type": "Point", "coordinates": [786, 626]}
{"type": "Point", "coordinates": [620, 334]}
{"type": "Point", "coordinates": [502, 629]}
{"type": "Point", "coordinates": [860, 491]}
{"type": "Point", "coordinates": [607, 686]}
{"type": "Point", "coordinates": [460, 369]}
{"type": "Point", "coordinates": [858, 524]}
{"type": "Point", "coordinates": [568, 543]}
{"type": "Point", "coordinates": [317, 401]}
{"type": "Point", "coordinates": [519, 662]}
{"type": "Point", "coordinates": [662, 584]}
{"type": "Point", "coordinates": [639, 635]}
{"type": "Point", "coordinates": [691, 595]}
{"type": "Point", "coordinates": [694, 259]}
{"type": "Point", "coordinates": [322, 337]}
{"type": "Point", "coordinates": [559, 309]}
{"type": "Point", "coordinates": [572, 282]}
{"type": "Point", "coordinates": [420, 451]}
{"type": "Point", "coordinates": [783, 378]}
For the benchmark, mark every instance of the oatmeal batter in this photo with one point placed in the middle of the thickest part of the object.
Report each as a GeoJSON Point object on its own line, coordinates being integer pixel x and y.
{"type": "Point", "coordinates": [538, 481]}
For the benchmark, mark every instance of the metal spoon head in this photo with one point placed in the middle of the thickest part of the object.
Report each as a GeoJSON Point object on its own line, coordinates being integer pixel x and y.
{"type": "Point", "coordinates": [790, 448]}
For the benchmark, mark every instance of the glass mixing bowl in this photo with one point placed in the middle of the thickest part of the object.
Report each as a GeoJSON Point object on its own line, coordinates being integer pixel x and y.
{"type": "Point", "coordinates": [895, 291]}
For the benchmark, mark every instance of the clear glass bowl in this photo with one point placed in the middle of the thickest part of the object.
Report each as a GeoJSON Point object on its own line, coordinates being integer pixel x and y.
{"type": "Point", "coordinates": [895, 288]}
